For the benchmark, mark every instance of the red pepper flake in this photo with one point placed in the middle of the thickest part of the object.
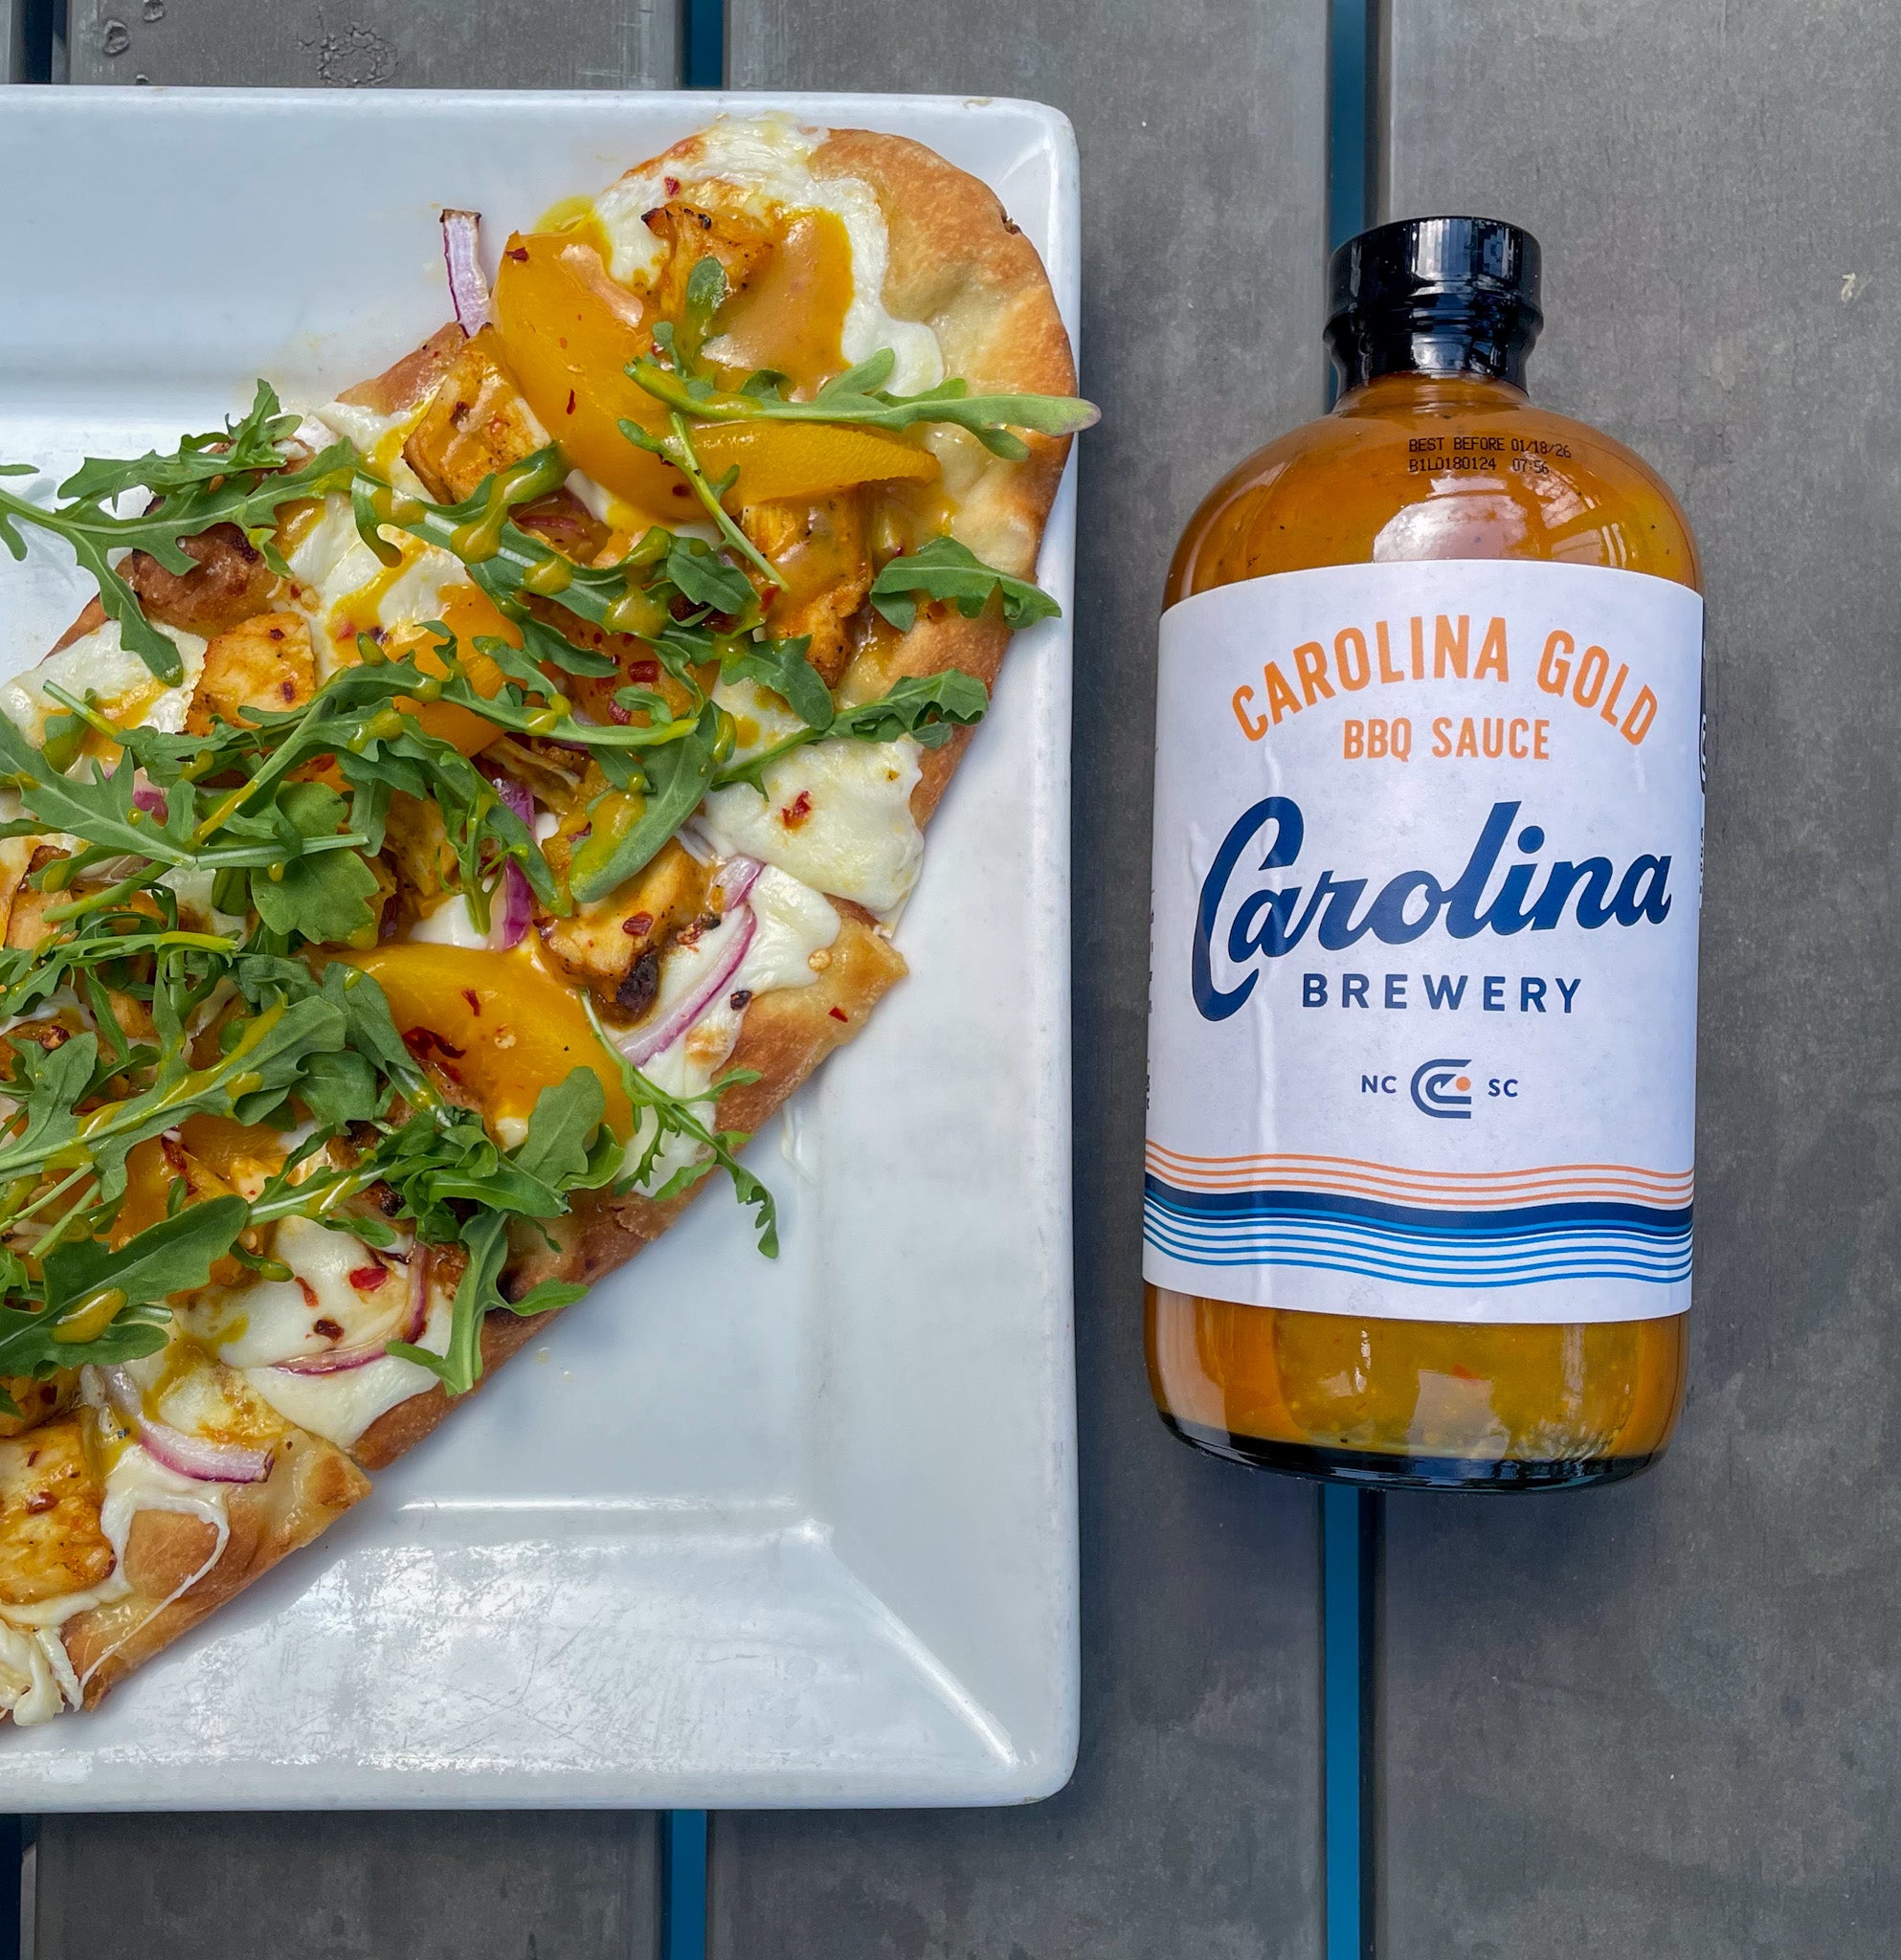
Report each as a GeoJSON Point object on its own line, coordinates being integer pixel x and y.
{"type": "Point", "coordinates": [796, 811]}
{"type": "Point", "coordinates": [644, 672]}
{"type": "Point", "coordinates": [366, 1279]}
{"type": "Point", "coordinates": [839, 1014]}
{"type": "Point", "coordinates": [640, 923]}
{"type": "Point", "coordinates": [40, 1501]}
{"type": "Point", "coordinates": [518, 252]}
{"type": "Point", "coordinates": [680, 490]}
{"type": "Point", "coordinates": [309, 1292]}
{"type": "Point", "coordinates": [739, 999]}
{"type": "Point", "coordinates": [570, 401]}
{"type": "Point", "coordinates": [1465, 1373]}
{"type": "Point", "coordinates": [420, 1040]}
{"type": "Point", "coordinates": [327, 1327]}
{"type": "Point", "coordinates": [473, 998]}
{"type": "Point", "coordinates": [672, 186]}
{"type": "Point", "coordinates": [618, 714]}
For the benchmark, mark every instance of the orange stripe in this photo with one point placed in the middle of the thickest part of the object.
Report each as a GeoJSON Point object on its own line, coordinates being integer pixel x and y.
{"type": "Point", "coordinates": [1354, 1175]}
{"type": "Point", "coordinates": [1402, 1170]}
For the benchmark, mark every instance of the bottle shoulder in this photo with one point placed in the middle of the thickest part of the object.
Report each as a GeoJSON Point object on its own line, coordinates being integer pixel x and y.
{"type": "Point", "coordinates": [1392, 475]}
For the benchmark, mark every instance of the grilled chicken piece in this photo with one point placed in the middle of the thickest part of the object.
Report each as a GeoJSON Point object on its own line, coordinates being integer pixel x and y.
{"type": "Point", "coordinates": [36, 1401]}
{"type": "Point", "coordinates": [50, 1537]}
{"type": "Point", "coordinates": [820, 552]}
{"type": "Point", "coordinates": [476, 423]}
{"type": "Point", "coordinates": [26, 921]}
{"type": "Point", "coordinates": [741, 244]}
{"type": "Point", "coordinates": [263, 663]}
{"type": "Point", "coordinates": [614, 947]}
{"type": "Point", "coordinates": [416, 843]}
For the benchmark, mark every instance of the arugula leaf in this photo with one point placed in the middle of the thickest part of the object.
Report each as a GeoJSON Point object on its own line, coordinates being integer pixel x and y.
{"type": "Point", "coordinates": [248, 498]}
{"type": "Point", "coordinates": [459, 1368]}
{"type": "Point", "coordinates": [946, 569]}
{"type": "Point", "coordinates": [106, 1306]}
{"type": "Point", "coordinates": [858, 396]}
{"type": "Point", "coordinates": [676, 447]}
{"type": "Point", "coordinates": [925, 706]}
{"type": "Point", "coordinates": [47, 1083]}
{"type": "Point", "coordinates": [675, 1116]}
{"type": "Point", "coordinates": [677, 776]}
{"type": "Point", "coordinates": [565, 1119]}
{"type": "Point", "coordinates": [706, 578]}
{"type": "Point", "coordinates": [255, 443]}
{"type": "Point", "coordinates": [781, 665]}
{"type": "Point", "coordinates": [324, 897]}
{"type": "Point", "coordinates": [171, 1257]}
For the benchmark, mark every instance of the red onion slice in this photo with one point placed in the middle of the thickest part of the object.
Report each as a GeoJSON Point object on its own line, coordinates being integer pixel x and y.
{"type": "Point", "coordinates": [468, 287]}
{"type": "Point", "coordinates": [185, 1455]}
{"type": "Point", "coordinates": [736, 878]}
{"type": "Point", "coordinates": [147, 796]}
{"type": "Point", "coordinates": [341, 1360]}
{"type": "Point", "coordinates": [512, 907]}
{"type": "Point", "coordinates": [645, 1044]}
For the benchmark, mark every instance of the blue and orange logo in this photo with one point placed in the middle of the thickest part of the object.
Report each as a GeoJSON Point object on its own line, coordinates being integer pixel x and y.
{"type": "Point", "coordinates": [1441, 1089]}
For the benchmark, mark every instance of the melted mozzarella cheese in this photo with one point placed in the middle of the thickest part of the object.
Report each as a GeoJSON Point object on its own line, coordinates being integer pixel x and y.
{"type": "Point", "coordinates": [451, 924]}
{"type": "Point", "coordinates": [764, 164]}
{"type": "Point", "coordinates": [791, 924]}
{"type": "Point", "coordinates": [32, 1683]}
{"type": "Point", "coordinates": [277, 1319]}
{"type": "Point", "coordinates": [125, 686]}
{"type": "Point", "coordinates": [836, 815]}
{"type": "Point", "coordinates": [252, 1328]}
{"type": "Point", "coordinates": [341, 1407]}
{"type": "Point", "coordinates": [338, 578]}
{"type": "Point", "coordinates": [760, 717]}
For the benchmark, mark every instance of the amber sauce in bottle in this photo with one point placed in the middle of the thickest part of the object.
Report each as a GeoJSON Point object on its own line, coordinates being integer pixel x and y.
{"type": "Point", "coordinates": [1396, 472]}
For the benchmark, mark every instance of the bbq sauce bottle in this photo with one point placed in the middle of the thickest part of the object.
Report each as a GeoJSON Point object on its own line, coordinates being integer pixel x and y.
{"type": "Point", "coordinates": [1426, 877]}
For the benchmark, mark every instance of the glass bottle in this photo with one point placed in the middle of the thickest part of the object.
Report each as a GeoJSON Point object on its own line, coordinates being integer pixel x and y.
{"type": "Point", "coordinates": [1349, 1354]}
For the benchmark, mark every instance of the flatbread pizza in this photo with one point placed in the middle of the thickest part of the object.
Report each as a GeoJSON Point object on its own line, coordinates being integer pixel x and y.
{"type": "Point", "coordinates": [467, 812]}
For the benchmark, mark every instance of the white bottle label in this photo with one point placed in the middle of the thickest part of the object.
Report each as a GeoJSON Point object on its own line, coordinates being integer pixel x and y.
{"type": "Point", "coordinates": [1423, 1015]}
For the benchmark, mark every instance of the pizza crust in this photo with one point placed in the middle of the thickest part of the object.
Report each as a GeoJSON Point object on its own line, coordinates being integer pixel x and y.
{"type": "Point", "coordinates": [312, 1484]}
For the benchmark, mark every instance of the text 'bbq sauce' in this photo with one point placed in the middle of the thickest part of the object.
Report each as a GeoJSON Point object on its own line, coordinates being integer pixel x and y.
{"type": "Point", "coordinates": [1428, 838]}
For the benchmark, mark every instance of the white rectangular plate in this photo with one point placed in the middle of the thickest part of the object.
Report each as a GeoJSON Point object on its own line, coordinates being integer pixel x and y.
{"type": "Point", "coordinates": [732, 1532]}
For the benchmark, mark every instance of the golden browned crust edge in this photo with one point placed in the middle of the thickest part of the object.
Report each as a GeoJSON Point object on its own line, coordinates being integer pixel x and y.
{"type": "Point", "coordinates": [958, 264]}
{"type": "Point", "coordinates": [312, 1484]}
{"type": "Point", "coordinates": [784, 1036]}
{"type": "Point", "coordinates": [403, 385]}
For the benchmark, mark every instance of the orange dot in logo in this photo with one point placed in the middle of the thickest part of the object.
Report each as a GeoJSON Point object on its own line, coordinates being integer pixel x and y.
{"type": "Point", "coordinates": [1463, 1082]}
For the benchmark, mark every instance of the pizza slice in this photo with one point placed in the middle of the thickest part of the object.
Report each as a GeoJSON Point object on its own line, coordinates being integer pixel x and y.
{"type": "Point", "coordinates": [466, 812]}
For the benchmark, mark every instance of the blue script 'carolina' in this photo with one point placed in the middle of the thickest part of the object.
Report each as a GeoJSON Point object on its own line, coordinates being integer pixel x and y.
{"type": "Point", "coordinates": [1265, 924]}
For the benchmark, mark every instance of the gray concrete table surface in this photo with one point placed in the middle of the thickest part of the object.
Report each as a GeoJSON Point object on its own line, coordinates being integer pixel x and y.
{"type": "Point", "coordinates": [1663, 1719]}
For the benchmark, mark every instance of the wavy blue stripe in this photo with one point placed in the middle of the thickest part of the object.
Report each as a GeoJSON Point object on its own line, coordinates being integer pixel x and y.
{"type": "Point", "coordinates": [1359, 1258]}
{"type": "Point", "coordinates": [1440, 1276]}
{"type": "Point", "coordinates": [1553, 1258]}
{"type": "Point", "coordinates": [1466, 1254]}
{"type": "Point", "coordinates": [1495, 1221]}
{"type": "Point", "coordinates": [1441, 1246]}
{"type": "Point", "coordinates": [1380, 1248]}
{"type": "Point", "coordinates": [1391, 1238]}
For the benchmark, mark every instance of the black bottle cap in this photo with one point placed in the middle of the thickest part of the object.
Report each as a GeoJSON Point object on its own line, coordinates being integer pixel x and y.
{"type": "Point", "coordinates": [1449, 294]}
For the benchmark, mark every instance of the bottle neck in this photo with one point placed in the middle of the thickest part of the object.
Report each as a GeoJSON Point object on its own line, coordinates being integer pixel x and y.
{"type": "Point", "coordinates": [1481, 343]}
